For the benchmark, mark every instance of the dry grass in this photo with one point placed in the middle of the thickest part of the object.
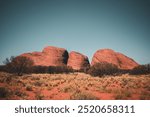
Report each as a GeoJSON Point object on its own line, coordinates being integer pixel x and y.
{"type": "Point", "coordinates": [39, 96]}
{"type": "Point", "coordinates": [145, 95]}
{"type": "Point", "coordinates": [74, 86]}
{"type": "Point", "coordinates": [83, 96]}
{"type": "Point", "coordinates": [122, 94]}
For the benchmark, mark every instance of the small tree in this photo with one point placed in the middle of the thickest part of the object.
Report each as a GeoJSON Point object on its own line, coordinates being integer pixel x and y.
{"type": "Point", "coordinates": [18, 65]}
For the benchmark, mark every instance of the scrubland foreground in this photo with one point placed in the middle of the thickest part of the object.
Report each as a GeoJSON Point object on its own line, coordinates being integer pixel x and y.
{"type": "Point", "coordinates": [74, 86]}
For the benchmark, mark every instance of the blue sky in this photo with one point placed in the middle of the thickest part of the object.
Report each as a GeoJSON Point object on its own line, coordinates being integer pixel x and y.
{"type": "Point", "coordinates": [80, 25]}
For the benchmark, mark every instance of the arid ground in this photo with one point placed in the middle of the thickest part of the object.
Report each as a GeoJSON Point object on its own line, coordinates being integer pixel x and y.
{"type": "Point", "coordinates": [74, 86]}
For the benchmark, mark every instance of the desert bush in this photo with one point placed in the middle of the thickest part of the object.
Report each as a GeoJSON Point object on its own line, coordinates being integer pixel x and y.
{"type": "Point", "coordinates": [84, 69]}
{"type": "Point", "coordinates": [83, 96]}
{"type": "Point", "coordinates": [141, 69]}
{"type": "Point", "coordinates": [19, 93]}
{"type": "Point", "coordinates": [2, 68]}
{"type": "Point", "coordinates": [6, 79]}
{"type": "Point", "coordinates": [40, 69]}
{"type": "Point", "coordinates": [38, 83]}
{"type": "Point", "coordinates": [128, 93]}
{"type": "Point", "coordinates": [29, 88]}
{"type": "Point", "coordinates": [60, 69]}
{"type": "Point", "coordinates": [68, 89]}
{"type": "Point", "coordinates": [103, 68]}
{"type": "Point", "coordinates": [121, 94]}
{"type": "Point", "coordinates": [39, 96]}
{"type": "Point", "coordinates": [18, 65]}
{"type": "Point", "coordinates": [51, 69]}
{"type": "Point", "coordinates": [4, 92]}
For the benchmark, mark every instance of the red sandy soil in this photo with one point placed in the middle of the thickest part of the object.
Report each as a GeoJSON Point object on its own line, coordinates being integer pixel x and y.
{"type": "Point", "coordinates": [74, 86]}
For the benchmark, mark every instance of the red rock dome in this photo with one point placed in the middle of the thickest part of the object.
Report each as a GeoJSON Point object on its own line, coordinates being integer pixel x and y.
{"type": "Point", "coordinates": [77, 60]}
{"type": "Point", "coordinates": [50, 56]}
{"type": "Point", "coordinates": [110, 56]}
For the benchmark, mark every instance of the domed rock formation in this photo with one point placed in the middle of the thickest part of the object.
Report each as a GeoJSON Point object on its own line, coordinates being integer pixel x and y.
{"type": "Point", "coordinates": [54, 56]}
{"type": "Point", "coordinates": [50, 56]}
{"type": "Point", "coordinates": [116, 58]}
{"type": "Point", "coordinates": [77, 61]}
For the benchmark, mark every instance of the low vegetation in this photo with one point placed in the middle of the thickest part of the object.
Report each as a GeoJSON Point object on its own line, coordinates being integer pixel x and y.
{"type": "Point", "coordinates": [51, 69]}
{"type": "Point", "coordinates": [101, 69]}
{"type": "Point", "coordinates": [4, 92]}
{"type": "Point", "coordinates": [18, 65]}
{"type": "Point", "coordinates": [74, 86]}
{"type": "Point", "coordinates": [23, 65]}
{"type": "Point", "coordinates": [141, 69]}
{"type": "Point", "coordinates": [19, 79]}
{"type": "Point", "coordinates": [82, 96]}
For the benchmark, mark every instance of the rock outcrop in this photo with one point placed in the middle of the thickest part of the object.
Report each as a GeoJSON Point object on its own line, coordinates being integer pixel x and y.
{"type": "Point", "coordinates": [50, 56]}
{"type": "Point", "coordinates": [54, 56]}
{"type": "Point", "coordinates": [116, 58]}
{"type": "Point", "coordinates": [77, 61]}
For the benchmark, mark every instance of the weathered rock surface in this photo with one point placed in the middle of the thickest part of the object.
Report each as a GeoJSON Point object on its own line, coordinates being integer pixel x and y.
{"type": "Point", "coordinates": [50, 56]}
{"type": "Point", "coordinates": [54, 56]}
{"type": "Point", "coordinates": [77, 60]}
{"type": "Point", "coordinates": [110, 56]}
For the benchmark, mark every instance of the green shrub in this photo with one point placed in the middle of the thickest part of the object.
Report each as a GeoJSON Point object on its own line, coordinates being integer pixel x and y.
{"type": "Point", "coordinates": [141, 69]}
{"type": "Point", "coordinates": [51, 69]}
{"type": "Point", "coordinates": [40, 69]}
{"type": "Point", "coordinates": [2, 68]}
{"type": "Point", "coordinates": [103, 68]}
{"type": "Point", "coordinates": [4, 92]}
{"type": "Point", "coordinates": [60, 69]}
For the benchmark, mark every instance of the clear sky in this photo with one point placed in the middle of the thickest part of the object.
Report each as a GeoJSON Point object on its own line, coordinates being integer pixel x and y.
{"type": "Point", "coordinates": [80, 25]}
